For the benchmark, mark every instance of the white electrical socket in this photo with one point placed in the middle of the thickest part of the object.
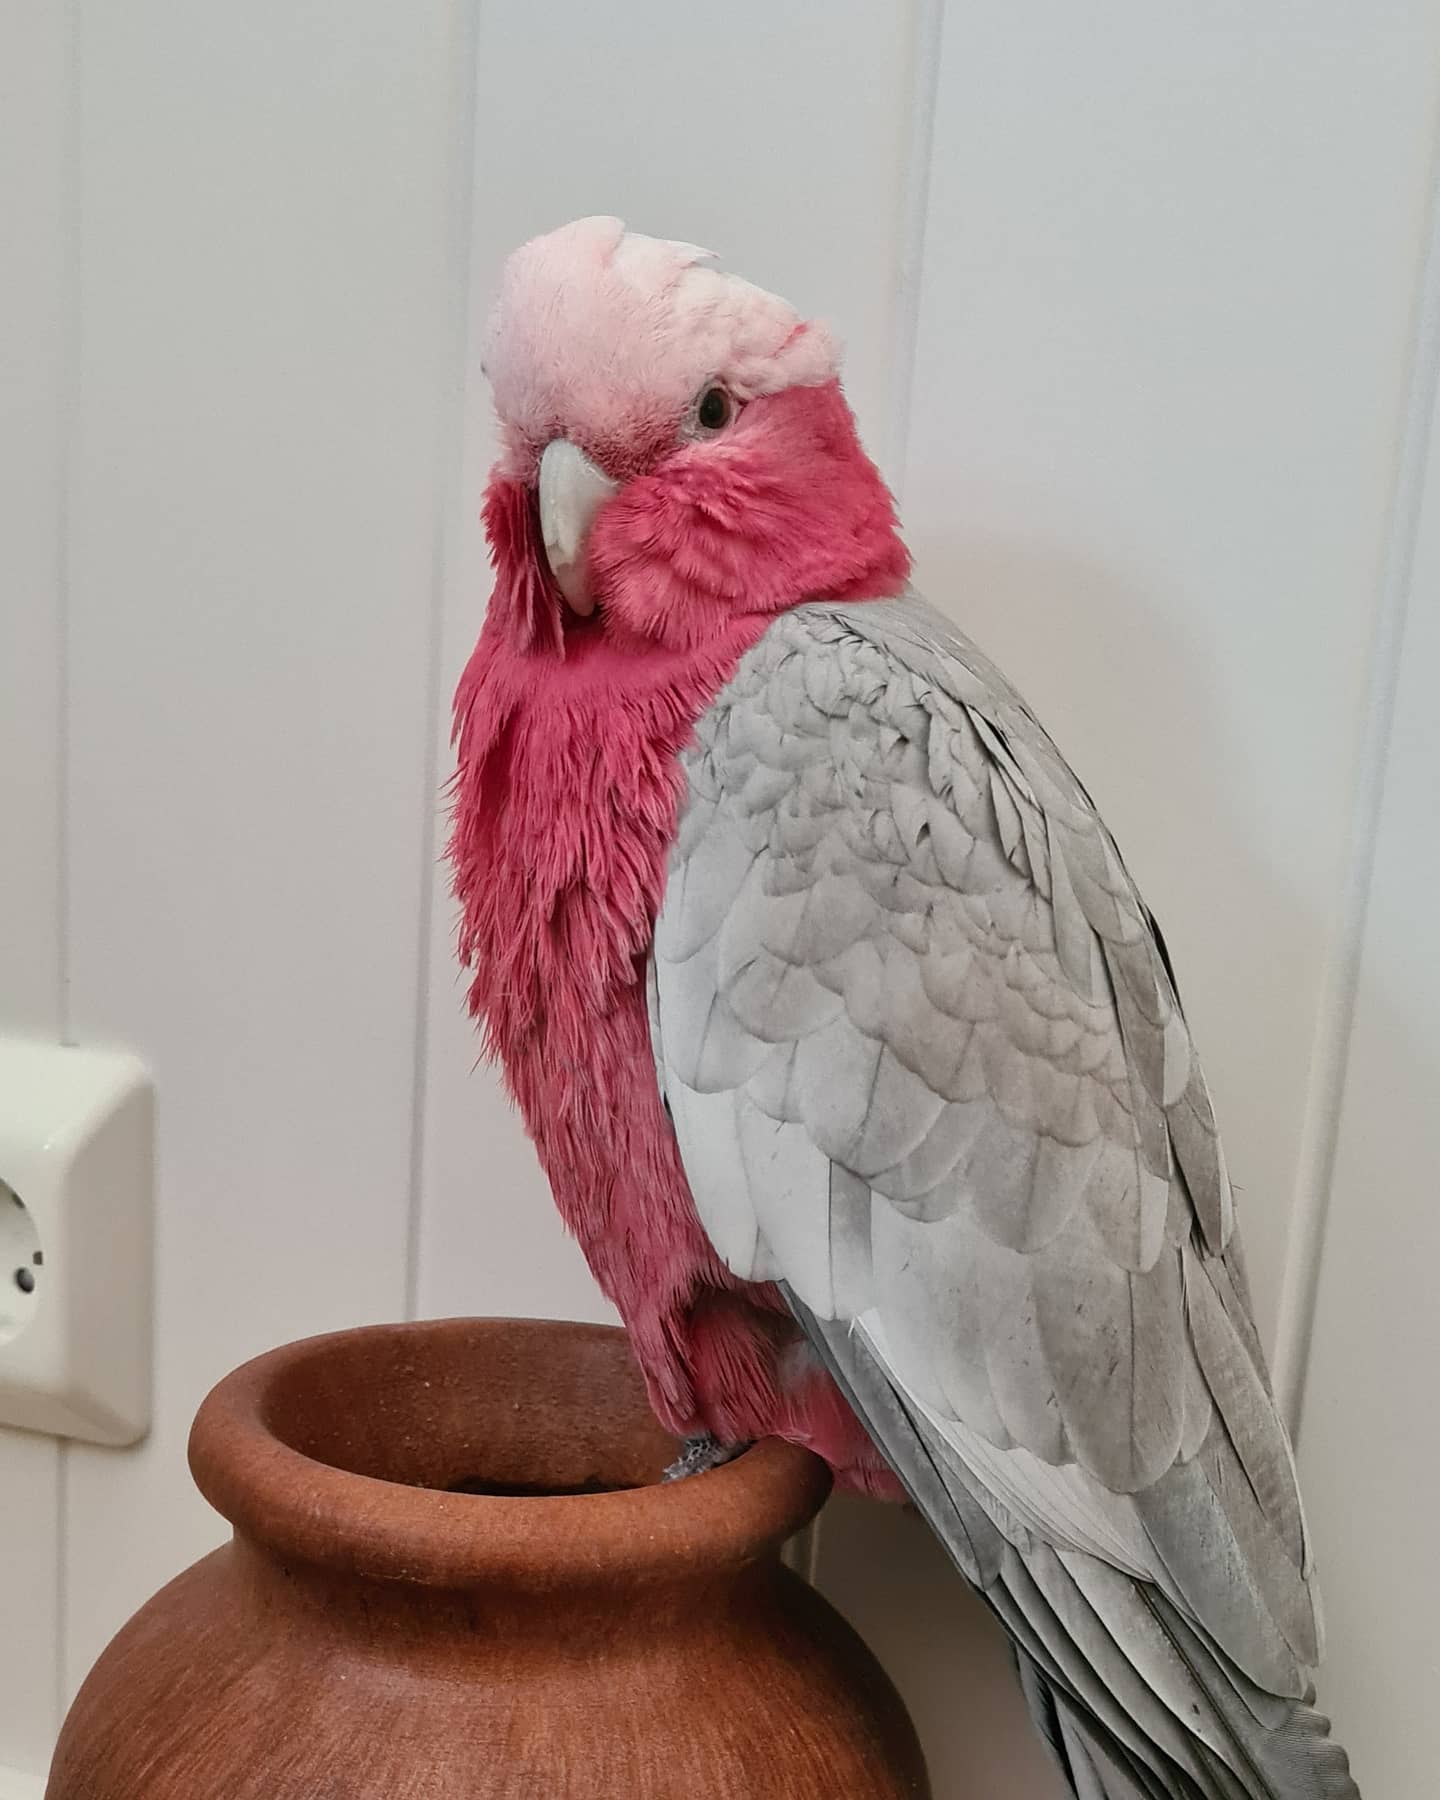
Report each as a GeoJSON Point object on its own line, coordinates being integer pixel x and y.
{"type": "Point", "coordinates": [76, 1204]}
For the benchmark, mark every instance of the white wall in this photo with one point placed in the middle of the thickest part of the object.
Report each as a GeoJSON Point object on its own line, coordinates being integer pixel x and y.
{"type": "Point", "coordinates": [1133, 295]}
{"type": "Point", "coordinates": [37, 279]}
{"type": "Point", "coordinates": [1368, 1450]}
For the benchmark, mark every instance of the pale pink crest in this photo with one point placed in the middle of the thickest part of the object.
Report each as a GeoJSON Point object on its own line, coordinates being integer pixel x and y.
{"type": "Point", "coordinates": [608, 336]}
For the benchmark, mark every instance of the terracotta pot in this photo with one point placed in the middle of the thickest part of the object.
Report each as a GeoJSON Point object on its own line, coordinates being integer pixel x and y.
{"type": "Point", "coordinates": [453, 1574]}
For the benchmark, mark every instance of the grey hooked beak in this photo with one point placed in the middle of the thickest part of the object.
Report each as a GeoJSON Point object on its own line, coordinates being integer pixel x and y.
{"type": "Point", "coordinates": [572, 491]}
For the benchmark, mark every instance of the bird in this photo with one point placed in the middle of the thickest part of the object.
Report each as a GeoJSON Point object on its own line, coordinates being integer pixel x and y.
{"type": "Point", "coordinates": [853, 1056]}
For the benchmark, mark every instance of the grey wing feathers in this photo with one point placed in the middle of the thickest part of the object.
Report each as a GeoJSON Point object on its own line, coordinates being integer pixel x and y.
{"type": "Point", "coordinates": [928, 1068]}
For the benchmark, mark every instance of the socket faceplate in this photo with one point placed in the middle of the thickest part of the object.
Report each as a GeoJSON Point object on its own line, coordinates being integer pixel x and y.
{"type": "Point", "coordinates": [76, 1204]}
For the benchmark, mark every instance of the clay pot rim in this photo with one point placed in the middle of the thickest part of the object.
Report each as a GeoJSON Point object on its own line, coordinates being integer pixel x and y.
{"type": "Point", "coordinates": [298, 1507]}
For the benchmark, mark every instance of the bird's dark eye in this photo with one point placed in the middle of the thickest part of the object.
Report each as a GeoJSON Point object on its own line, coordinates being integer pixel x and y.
{"type": "Point", "coordinates": [715, 411]}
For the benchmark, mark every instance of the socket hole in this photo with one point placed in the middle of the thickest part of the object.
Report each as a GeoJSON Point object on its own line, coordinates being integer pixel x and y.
{"type": "Point", "coordinates": [20, 1254]}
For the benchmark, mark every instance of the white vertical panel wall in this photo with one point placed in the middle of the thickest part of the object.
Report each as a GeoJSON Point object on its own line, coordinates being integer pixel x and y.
{"type": "Point", "coordinates": [1368, 1452]}
{"type": "Point", "coordinates": [1165, 331]}
{"type": "Point", "coordinates": [267, 350]}
{"type": "Point", "coordinates": [1165, 340]}
{"type": "Point", "coordinates": [35, 140]}
{"type": "Point", "coordinates": [1130, 304]}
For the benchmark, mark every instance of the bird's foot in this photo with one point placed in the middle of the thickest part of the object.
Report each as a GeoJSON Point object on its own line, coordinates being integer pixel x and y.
{"type": "Point", "coordinates": [697, 1454]}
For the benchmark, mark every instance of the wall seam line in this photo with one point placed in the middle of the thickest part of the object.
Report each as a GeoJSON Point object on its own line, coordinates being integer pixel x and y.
{"type": "Point", "coordinates": [64, 886]}
{"type": "Point", "coordinates": [69, 431]}
{"type": "Point", "coordinates": [1320, 1131]}
{"type": "Point", "coordinates": [919, 156]}
{"type": "Point", "coordinates": [450, 436]}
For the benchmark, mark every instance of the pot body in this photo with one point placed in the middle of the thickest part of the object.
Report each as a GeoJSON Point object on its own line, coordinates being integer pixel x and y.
{"type": "Point", "coordinates": [563, 1627]}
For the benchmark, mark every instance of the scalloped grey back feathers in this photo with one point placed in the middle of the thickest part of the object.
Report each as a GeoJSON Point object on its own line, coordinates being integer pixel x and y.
{"type": "Point", "coordinates": [928, 1069]}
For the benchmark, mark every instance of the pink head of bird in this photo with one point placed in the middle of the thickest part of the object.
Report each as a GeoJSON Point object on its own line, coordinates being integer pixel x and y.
{"type": "Point", "coordinates": [677, 455]}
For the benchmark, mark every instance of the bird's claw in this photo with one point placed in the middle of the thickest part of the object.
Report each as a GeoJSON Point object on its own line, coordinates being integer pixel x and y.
{"type": "Point", "coordinates": [698, 1454]}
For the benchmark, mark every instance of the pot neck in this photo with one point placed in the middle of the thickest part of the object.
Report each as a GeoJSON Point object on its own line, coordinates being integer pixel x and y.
{"type": "Point", "coordinates": [336, 1454]}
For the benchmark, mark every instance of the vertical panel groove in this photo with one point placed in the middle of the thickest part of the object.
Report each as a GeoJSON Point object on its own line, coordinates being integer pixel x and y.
{"type": "Point", "coordinates": [62, 1578]}
{"type": "Point", "coordinates": [448, 460]}
{"type": "Point", "coordinates": [1336, 1010]}
{"type": "Point", "coordinates": [70, 374]}
{"type": "Point", "coordinates": [69, 417]}
{"type": "Point", "coordinates": [264, 343]}
{"type": "Point", "coordinates": [929, 27]}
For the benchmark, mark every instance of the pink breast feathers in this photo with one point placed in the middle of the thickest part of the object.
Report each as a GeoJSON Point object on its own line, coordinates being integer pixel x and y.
{"type": "Point", "coordinates": [566, 799]}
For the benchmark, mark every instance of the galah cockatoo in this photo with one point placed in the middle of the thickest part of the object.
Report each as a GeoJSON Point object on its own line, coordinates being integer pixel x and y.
{"type": "Point", "coordinates": [850, 1050]}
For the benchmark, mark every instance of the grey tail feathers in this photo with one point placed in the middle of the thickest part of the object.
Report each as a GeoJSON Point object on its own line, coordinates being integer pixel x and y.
{"type": "Point", "coordinates": [1094, 1771]}
{"type": "Point", "coordinates": [1114, 1739]}
{"type": "Point", "coordinates": [1296, 1761]}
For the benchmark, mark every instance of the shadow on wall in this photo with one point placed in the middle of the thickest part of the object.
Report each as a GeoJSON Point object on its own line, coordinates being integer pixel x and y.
{"type": "Point", "coordinates": [1366, 1461]}
{"type": "Point", "coordinates": [885, 1571]}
